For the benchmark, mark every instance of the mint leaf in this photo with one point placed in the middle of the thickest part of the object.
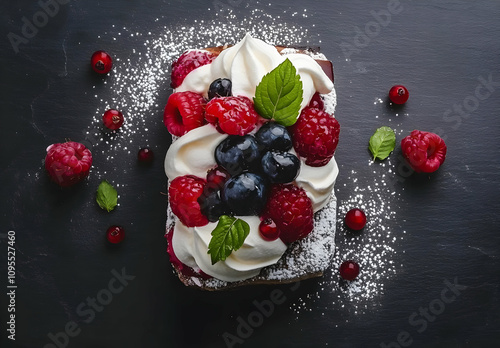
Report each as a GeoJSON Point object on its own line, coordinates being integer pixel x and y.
{"type": "Point", "coordinates": [106, 197]}
{"type": "Point", "coordinates": [279, 95]}
{"type": "Point", "coordinates": [229, 235]}
{"type": "Point", "coordinates": [382, 142]}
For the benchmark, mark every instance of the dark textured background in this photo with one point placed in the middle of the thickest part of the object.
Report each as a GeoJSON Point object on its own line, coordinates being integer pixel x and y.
{"type": "Point", "coordinates": [451, 218]}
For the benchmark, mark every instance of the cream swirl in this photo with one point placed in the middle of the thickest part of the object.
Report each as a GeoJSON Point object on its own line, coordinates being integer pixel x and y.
{"type": "Point", "coordinates": [252, 59]}
{"type": "Point", "coordinates": [191, 245]}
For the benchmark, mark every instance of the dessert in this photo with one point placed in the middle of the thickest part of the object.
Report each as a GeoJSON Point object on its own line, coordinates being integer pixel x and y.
{"type": "Point", "coordinates": [251, 170]}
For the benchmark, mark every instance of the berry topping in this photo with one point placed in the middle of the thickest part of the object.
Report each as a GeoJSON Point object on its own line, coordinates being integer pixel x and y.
{"type": "Point", "coordinates": [113, 119]}
{"type": "Point", "coordinates": [315, 136]}
{"type": "Point", "coordinates": [101, 62]}
{"type": "Point", "coordinates": [183, 194]}
{"type": "Point", "coordinates": [424, 151]}
{"type": "Point", "coordinates": [317, 102]}
{"type": "Point", "coordinates": [355, 219]}
{"type": "Point", "coordinates": [68, 163]}
{"type": "Point", "coordinates": [290, 208]}
{"type": "Point", "coordinates": [349, 270]}
{"type": "Point", "coordinates": [186, 63]}
{"type": "Point", "coordinates": [245, 194]}
{"type": "Point", "coordinates": [237, 154]}
{"type": "Point", "coordinates": [115, 234]}
{"type": "Point", "coordinates": [220, 88]}
{"type": "Point", "coordinates": [280, 167]}
{"type": "Point", "coordinates": [145, 155]}
{"type": "Point", "coordinates": [398, 94]}
{"type": "Point", "coordinates": [184, 112]}
{"type": "Point", "coordinates": [268, 230]}
{"type": "Point", "coordinates": [232, 115]}
{"type": "Point", "coordinates": [273, 136]}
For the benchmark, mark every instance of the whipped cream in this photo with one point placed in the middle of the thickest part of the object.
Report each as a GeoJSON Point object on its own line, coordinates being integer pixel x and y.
{"type": "Point", "coordinates": [191, 245]}
{"type": "Point", "coordinates": [193, 154]}
{"type": "Point", "coordinates": [247, 62]}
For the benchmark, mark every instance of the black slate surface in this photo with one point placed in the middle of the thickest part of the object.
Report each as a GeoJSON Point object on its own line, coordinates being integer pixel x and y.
{"type": "Point", "coordinates": [441, 51]}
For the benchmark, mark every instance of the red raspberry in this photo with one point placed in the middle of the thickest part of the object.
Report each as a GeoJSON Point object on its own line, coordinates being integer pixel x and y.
{"type": "Point", "coordinates": [291, 210]}
{"type": "Point", "coordinates": [424, 151]}
{"type": "Point", "coordinates": [183, 196]}
{"type": "Point", "coordinates": [315, 136]}
{"type": "Point", "coordinates": [184, 112]}
{"type": "Point", "coordinates": [232, 115]}
{"type": "Point", "coordinates": [68, 163]}
{"type": "Point", "coordinates": [186, 63]}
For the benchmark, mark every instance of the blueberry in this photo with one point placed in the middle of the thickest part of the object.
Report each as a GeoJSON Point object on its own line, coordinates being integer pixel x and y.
{"type": "Point", "coordinates": [280, 166]}
{"type": "Point", "coordinates": [238, 153]}
{"type": "Point", "coordinates": [220, 88]}
{"type": "Point", "coordinates": [211, 205]}
{"type": "Point", "coordinates": [245, 194]}
{"type": "Point", "coordinates": [273, 136]}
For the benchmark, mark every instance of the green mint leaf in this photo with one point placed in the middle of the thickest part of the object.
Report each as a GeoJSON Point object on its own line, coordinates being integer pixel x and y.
{"type": "Point", "coordinates": [279, 95]}
{"type": "Point", "coordinates": [229, 235]}
{"type": "Point", "coordinates": [106, 197]}
{"type": "Point", "coordinates": [382, 142]}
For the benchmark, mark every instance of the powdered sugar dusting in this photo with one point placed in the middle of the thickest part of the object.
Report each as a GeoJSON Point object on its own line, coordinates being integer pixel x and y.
{"type": "Point", "coordinates": [373, 248]}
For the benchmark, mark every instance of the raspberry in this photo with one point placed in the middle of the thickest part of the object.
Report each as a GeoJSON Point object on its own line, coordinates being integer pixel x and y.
{"type": "Point", "coordinates": [184, 111]}
{"type": "Point", "coordinates": [68, 163]}
{"type": "Point", "coordinates": [315, 136]}
{"type": "Point", "coordinates": [183, 194]}
{"type": "Point", "coordinates": [290, 208]}
{"type": "Point", "coordinates": [232, 115]}
{"type": "Point", "coordinates": [424, 151]}
{"type": "Point", "coordinates": [186, 63]}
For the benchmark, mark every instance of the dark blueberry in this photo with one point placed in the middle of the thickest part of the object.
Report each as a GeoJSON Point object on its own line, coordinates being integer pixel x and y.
{"type": "Point", "coordinates": [280, 167]}
{"type": "Point", "coordinates": [245, 194]}
{"type": "Point", "coordinates": [211, 205]}
{"type": "Point", "coordinates": [220, 88]}
{"type": "Point", "coordinates": [273, 136]}
{"type": "Point", "coordinates": [238, 153]}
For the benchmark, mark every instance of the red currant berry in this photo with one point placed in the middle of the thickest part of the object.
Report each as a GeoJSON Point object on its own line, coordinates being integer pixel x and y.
{"type": "Point", "coordinates": [217, 177]}
{"type": "Point", "coordinates": [268, 230]}
{"type": "Point", "coordinates": [101, 62]}
{"type": "Point", "coordinates": [349, 270]}
{"type": "Point", "coordinates": [145, 155]}
{"type": "Point", "coordinates": [355, 219]}
{"type": "Point", "coordinates": [113, 119]}
{"type": "Point", "coordinates": [115, 234]}
{"type": "Point", "coordinates": [398, 94]}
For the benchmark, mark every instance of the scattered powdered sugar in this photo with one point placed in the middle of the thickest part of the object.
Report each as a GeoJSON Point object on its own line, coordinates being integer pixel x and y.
{"type": "Point", "coordinates": [373, 248]}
